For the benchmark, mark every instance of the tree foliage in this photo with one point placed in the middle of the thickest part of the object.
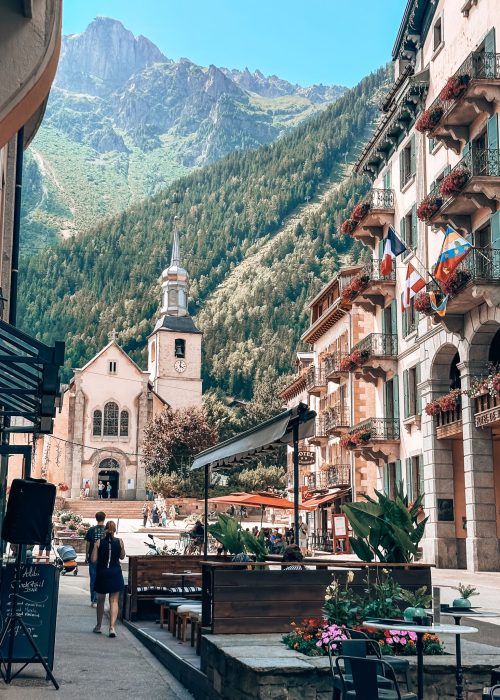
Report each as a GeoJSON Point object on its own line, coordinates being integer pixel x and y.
{"type": "Point", "coordinates": [261, 478]}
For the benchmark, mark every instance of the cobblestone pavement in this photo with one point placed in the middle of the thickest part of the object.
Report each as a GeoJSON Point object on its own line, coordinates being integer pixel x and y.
{"type": "Point", "coordinates": [89, 666]}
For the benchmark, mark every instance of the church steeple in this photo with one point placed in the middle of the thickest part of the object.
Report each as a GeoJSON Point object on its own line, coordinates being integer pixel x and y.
{"type": "Point", "coordinates": [174, 281]}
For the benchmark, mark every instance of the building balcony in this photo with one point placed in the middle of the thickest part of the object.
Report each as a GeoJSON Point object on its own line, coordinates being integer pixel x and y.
{"type": "Point", "coordinates": [310, 481]}
{"type": "Point", "coordinates": [333, 370]}
{"type": "Point", "coordinates": [336, 476]}
{"type": "Point", "coordinates": [476, 280]}
{"type": "Point", "coordinates": [376, 439]}
{"type": "Point", "coordinates": [449, 424]}
{"type": "Point", "coordinates": [472, 90]}
{"type": "Point", "coordinates": [316, 381]}
{"type": "Point", "coordinates": [320, 436]}
{"type": "Point", "coordinates": [337, 421]}
{"type": "Point", "coordinates": [375, 357]}
{"type": "Point", "coordinates": [474, 183]}
{"type": "Point", "coordinates": [380, 289]}
{"type": "Point", "coordinates": [487, 410]}
{"type": "Point", "coordinates": [373, 214]}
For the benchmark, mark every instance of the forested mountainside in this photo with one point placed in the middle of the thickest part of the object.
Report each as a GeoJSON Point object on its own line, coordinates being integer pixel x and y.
{"type": "Point", "coordinates": [259, 237]}
{"type": "Point", "coordinates": [123, 121]}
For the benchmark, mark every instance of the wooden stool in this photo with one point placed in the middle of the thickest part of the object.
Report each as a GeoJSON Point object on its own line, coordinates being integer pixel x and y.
{"type": "Point", "coordinates": [183, 615]}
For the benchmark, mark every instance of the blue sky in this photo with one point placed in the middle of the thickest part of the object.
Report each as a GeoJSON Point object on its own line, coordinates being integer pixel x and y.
{"type": "Point", "coordinates": [311, 41]}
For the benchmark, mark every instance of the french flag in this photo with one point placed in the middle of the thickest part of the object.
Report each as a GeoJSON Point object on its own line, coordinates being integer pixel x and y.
{"type": "Point", "coordinates": [393, 247]}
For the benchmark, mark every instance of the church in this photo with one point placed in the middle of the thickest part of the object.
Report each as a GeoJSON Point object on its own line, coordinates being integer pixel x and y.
{"type": "Point", "coordinates": [99, 433]}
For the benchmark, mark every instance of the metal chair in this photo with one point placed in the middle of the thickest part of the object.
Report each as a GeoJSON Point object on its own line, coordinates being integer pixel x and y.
{"type": "Point", "coordinates": [354, 648]}
{"type": "Point", "coordinates": [495, 692]}
{"type": "Point", "coordinates": [363, 684]}
{"type": "Point", "coordinates": [400, 666]}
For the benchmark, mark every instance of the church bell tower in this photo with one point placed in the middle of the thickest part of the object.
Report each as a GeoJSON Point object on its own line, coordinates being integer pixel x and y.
{"type": "Point", "coordinates": [174, 347]}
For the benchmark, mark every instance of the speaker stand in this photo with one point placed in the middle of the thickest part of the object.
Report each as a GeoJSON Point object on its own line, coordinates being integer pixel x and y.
{"type": "Point", "coordinates": [14, 624]}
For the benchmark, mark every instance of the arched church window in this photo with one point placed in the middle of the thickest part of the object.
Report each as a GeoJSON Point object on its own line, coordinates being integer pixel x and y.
{"type": "Point", "coordinates": [180, 347]}
{"type": "Point", "coordinates": [111, 419]}
{"type": "Point", "coordinates": [97, 423]}
{"type": "Point", "coordinates": [124, 423]}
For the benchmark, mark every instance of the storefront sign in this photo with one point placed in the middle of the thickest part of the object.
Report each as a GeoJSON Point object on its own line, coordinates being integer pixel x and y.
{"type": "Point", "coordinates": [340, 525]}
{"type": "Point", "coordinates": [306, 458]}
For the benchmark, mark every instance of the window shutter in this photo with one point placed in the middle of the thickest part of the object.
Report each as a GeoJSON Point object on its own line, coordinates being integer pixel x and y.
{"type": "Point", "coordinates": [381, 245]}
{"type": "Point", "coordinates": [404, 318]}
{"type": "Point", "coordinates": [406, 393]}
{"type": "Point", "coordinates": [401, 170]}
{"type": "Point", "coordinates": [447, 170]}
{"type": "Point", "coordinates": [420, 467]}
{"type": "Point", "coordinates": [383, 321]}
{"type": "Point", "coordinates": [418, 397]}
{"type": "Point", "coordinates": [394, 317]}
{"type": "Point", "coordinates": [395, 389]}
{"type": "Point", "coordinates": [409, 479]}
{"type": "Point", "coordinates": [466, 149]}
{"type": "Point", "coordinates": [433, 185]}
{"type": "Point", "coordinates": [413, 156]}
{"type": "Point", "coordinates": [385, 478]}
{"type": "Point", "coordinates": [402, 229]}
{"type": "Point", "coordinates": [489, 43]}
{"type": "Point", "coordinates": [492, 160]}
{"type": "Point", "coordinates": [398, 474]}
{"type": "Point", "coordinates": [414, 227]}
{"type": "Point", "coordinates": [432, 144]}
{"type": "Point", "coordinates": [387, 179]}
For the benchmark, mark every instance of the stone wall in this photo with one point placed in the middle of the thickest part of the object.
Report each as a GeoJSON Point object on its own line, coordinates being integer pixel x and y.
{"type": "Point", "coordinates": [259, 667]}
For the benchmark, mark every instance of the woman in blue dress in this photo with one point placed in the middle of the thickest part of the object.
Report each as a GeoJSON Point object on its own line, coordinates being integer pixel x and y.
{"type": "Point", "coordinates": [109, 578]}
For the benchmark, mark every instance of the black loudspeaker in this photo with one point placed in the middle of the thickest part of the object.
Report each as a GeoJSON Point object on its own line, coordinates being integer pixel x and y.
{"type": "Point", "coordinates": [28, 519]}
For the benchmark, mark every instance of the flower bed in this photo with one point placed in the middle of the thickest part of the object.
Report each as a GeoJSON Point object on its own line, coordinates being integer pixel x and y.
{"type": "Point", "coordinates": [348, 226]}
{"type": "Point", "coordinates": [358, 283]}
{"type": "Point", "coordinates": [429, 119]}
{"type": "Point", "coordinates": [455, 87]}
{"type": "Point", "coordinates": [429, 206]}
{"type": "Point", "coordinates": [448, 402]}
{"type": "Point", "coordinates": [313, 636]}
{"type": "Point", "coordinates": [454, 182]}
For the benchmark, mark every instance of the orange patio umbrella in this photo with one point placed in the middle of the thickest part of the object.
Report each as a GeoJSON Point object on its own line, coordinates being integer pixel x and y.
{"type": "Point", "coordinates": [262, 500]}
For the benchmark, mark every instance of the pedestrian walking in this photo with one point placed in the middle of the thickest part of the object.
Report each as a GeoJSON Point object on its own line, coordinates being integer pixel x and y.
{"type": "Point", "coordinates": [108, 489]}
{"type": "Point", "coordinates": [86, 489]}
{"type": "Point", "coordinates": [302, 535]}
{"type": "Point", "coordinates": [155, 515]}
{"type": "Point", "coordinates": [145, 514]}
{"type": "Point", "coordinates": [94, 534]}
{"type": "Point", "coordinates": [164, 517]}
{"type": "Point", "coordinates": [109, 579]}
{"type": "Point", "coordinates": [172, 512]}
{"type": "Point", "coordinates": [100, 490]}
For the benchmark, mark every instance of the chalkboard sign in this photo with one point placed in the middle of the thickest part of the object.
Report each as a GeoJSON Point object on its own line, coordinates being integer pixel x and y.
{"type": "Point", "coordinates": [36, 605]}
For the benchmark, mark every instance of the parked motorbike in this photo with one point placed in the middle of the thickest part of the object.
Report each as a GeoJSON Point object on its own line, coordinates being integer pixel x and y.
{"type": "Point", "coordinates": [156, 549]}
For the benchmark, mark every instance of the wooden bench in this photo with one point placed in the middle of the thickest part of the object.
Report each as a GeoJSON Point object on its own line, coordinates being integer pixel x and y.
{"type": "Point", "coordinates": [256, 600]}
{"type": "Point", "coordinates": [147, 579]}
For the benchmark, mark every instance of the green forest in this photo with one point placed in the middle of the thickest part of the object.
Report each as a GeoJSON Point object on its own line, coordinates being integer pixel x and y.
{"type": "Point", "coordinates": [253, 251]}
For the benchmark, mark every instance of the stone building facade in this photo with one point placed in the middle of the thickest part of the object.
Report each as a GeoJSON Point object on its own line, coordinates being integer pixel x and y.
{"type": "Point", "coordinates": [99, 433]}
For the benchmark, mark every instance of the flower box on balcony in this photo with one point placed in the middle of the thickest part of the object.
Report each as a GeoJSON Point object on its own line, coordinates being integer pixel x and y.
{"type": "Point", "coordinates": [348, 226]}
{"type": "Point", "coordinates": [456, 281]}
{"type": "Point", "coordinates": [356, 285]}
{"type": "Point", "coordinates": [443, 404]}
{"type": "Point", "coordinates": [353, 440]}
{"type": "Point", "coordinates": [429, 206]}
{"type": "Point", "coordinates": [360, 211]}
{"type": "Point", "coordinates": [429, 119]}
{"type": "Point", "coordinates": [454, 182]}
{"type": "Point", "coordinates": [455, 87]}
{"type": "Point", "coordinates": [422, 304]}
{"type": "Point", "coordinates": [351, 362]}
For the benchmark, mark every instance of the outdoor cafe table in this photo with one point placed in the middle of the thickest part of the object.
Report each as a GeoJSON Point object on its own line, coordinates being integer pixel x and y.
{"type": "Point", "coordinates": [183, 575]}
{"type": "Point", "coordinates": [420, 630]}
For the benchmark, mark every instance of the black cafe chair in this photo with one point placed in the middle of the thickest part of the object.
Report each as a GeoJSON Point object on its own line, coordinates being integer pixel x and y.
{"type": "Point", "coordinates": [400, 666]}
{"type": "Point", "coordinates": [494, 692]}
{"type": "Point", "coordinates": [364, 681]}
{"type": "Point", "coordinates": [353, 648]}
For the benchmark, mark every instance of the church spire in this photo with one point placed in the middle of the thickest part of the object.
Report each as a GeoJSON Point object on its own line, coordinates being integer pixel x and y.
{"type": "Point", "coordinates": [174, 281]}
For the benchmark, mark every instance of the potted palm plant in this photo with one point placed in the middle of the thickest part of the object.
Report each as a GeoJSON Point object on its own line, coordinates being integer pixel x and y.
{"type": "Point", "coordinates": [466, 592]}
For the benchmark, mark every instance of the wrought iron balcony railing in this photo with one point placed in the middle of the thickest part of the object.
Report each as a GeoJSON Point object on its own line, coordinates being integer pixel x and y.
{"type": "Point", "coordinates": [310, 481]}
{"type": "Point", "coordinates": [319, 430]}
{"type": "Point", "coordinates": [337, 417]}
{"type": "Point", "coordinates": [378, 345]}
{"type": "Point", "coordinates": [315, 378]}
{"type": "Point", "coordinates": [380, 429]}
{"type": "Point", "coordinates": [378, 199]}
{"type": "Point", "coordinates": [332, 363]}
{"type": "Point", "coordinates": [336, 475]}
{"type": "Point", "coordinates": [478, 65]}
{"type": "Point", "coordinates": [373, 269]}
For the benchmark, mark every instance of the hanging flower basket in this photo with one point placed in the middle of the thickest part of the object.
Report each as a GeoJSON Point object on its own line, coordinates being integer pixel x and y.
{"type": "Point", "coordinates": [455, 87]}
{"type": "Point", "coordinates": [360, 211]}
{"type": "Point", "coordinates": [428, 207]}
{"type": "Point", "coordinates": [348, 227]}
{"type": "Point", "coordinates": [422, 304]}
{"type": "Point", "coordinates": [456, 281]}
{"type": "Point", "coordinates": [443, 404]}
{"type": "Point", "coordinates": [429, 119]}
{"type": "Point", "coordinates": [454, 182]}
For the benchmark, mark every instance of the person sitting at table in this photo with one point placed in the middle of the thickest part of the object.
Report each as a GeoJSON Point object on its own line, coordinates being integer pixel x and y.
{"type": "Point", "coordinates": [293, 554]}
{"type": "Point", "coordinates": [198, 532]}
{"type": "Point", "coordinates": [279, 544]}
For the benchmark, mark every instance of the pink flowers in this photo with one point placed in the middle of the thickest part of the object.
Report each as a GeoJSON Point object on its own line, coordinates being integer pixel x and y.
{"type": "Point", "coordinates": [400, 637]}
{"type": "Point", "coordinates": [330, 634]}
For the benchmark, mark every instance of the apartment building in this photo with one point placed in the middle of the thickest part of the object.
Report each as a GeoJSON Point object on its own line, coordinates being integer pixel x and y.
{"type": "Point", "coordinates": [330, 474]}
{"type": "Point", "coordinates": [434, 160]}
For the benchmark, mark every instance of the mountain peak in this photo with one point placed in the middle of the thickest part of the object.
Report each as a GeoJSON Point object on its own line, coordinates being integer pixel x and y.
{"type": "Point", "coordinates": [104, 56]}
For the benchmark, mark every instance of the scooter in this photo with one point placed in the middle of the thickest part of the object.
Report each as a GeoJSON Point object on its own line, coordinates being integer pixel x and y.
{"type": "Point", "coordinates": [157, 550]}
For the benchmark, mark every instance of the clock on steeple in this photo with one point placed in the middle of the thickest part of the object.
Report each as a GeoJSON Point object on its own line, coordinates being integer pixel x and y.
{"type": "Point", "coordinates": [174, 347]}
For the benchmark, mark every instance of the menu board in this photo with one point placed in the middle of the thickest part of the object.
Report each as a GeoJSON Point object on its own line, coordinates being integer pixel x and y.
{"type": "Point", "coordinates": [36, 605]}
{"type": "Point", "coordinates": [340, 525]}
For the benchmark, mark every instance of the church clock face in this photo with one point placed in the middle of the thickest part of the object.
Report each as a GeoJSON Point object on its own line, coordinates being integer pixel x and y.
{"type": "Point", "coordinates": [180, 366]}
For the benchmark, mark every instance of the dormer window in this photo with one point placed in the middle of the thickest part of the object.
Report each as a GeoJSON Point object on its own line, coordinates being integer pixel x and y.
{"type": "Point", "coordinates": [112, 367]}
{"type": "Point", "coordinates": [180, 347]}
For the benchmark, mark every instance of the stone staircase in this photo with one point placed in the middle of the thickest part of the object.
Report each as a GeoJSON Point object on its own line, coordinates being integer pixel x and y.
{"type": "Point", "coordinates": [114, 509]}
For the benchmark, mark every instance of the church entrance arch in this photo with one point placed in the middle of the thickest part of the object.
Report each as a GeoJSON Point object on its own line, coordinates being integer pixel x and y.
{"type": "Point", "coordinates": [109, 473]}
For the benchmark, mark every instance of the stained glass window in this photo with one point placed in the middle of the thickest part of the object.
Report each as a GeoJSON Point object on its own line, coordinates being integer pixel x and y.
{"type": "Point", "coordinates": [111, 419]}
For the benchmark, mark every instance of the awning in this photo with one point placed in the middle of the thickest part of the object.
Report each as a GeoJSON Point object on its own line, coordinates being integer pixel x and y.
{"type": "Point", "coordinates": [266, 500]}
{"type": "Point", "coordinates": [265, 437]}
{"type": "Point", "coordinates": [326, 498]}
